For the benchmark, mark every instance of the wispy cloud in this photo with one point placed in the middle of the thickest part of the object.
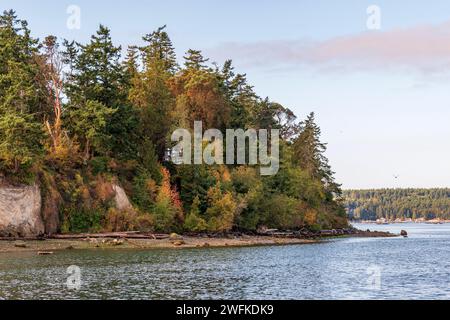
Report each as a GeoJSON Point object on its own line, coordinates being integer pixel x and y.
{"type": "Point", "coordinates": [425, 49]}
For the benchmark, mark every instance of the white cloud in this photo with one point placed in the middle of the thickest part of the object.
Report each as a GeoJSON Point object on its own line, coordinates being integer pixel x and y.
{"type": "Point", "coordinates": [425, 49]}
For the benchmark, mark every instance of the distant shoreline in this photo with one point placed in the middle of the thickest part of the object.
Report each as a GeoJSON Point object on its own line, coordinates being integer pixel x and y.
{"type": "Point", "coordinates": [387, 222]}
{"type": "Point", "coordinates": [49, 246]}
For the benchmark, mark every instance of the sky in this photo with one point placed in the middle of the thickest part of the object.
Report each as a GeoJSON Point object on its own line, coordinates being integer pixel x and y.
{"type": "Point", "coordinates": [378, 81]}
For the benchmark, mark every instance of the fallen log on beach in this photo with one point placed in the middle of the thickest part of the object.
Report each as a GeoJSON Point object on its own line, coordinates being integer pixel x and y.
{"type": "Point", "coordinates": [120, 235]}
{"type": "Point", "coordinates": [22, 238]}
{"type": "Point", "coordinates": [274, 233]}
{"type": "Point", "coordinates": [45, 253]}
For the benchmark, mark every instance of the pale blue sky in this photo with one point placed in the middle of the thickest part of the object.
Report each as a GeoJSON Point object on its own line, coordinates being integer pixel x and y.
{"type": "Point", "coordinates": [382, 97]}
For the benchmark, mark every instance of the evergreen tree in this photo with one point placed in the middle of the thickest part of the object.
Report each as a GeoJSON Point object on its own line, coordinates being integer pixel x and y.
{"type": "Point", "coordinates": [89, 123]}
{"type": "Point", "coordinates": [264, 115]}
{"type": "Point", "coordinates": [309, 155]}
{"type": "Point", "coordinates": [222, 209]}
{"type": "Point", "coordinates": [194, 222]}
{"type": "Point", "coordinates": [23, 101]}
{"type": "Point", "coordinates": [398, 203]}
{"type": "Point", "coordinates": [21, 142]}
{"type": "Point", "coordinates": [150, 94]}
{"type": "Point", "coordinates": [97, 71]}
{"type": "Point", "coordinates": [240, 94]}
{"type": "Point", "coordinates": [131, 64]}
{"type": "Point", "coordinates": [194, 181]}
{"type": "Point", "coordinates": [200, 95]}
{"type": "Point", "coordinates": [195, 60]}
{"type": "Point", "coordinates": [160, 49]}
{"type": "Point", "coordinates": [97, 77]}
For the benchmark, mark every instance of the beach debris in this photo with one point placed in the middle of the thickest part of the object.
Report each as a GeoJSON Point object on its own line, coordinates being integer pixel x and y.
{"type": "Point", "coordinates": [176, 239]}
{"type": "Point", "coordinates": [178, 243]}
{"type": "Point", "coordinates": [45, 253]}
{"type": "Point", "coordinates": [263, 230]}
{"type": "Point", "coordinates": [112, 242]}
{"type": "Point", "coordinates": [117, 242]}
{"type": "Point", "coordinates": [174, 236]}
{"type": "Point", "coordinates": [20, 244]}
{"type": "Point", "coordinates": [115, 235]}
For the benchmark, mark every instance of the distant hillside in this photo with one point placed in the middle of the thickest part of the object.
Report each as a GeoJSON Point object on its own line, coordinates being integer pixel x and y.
{"type": "Point", "coordinates": [398, 203]}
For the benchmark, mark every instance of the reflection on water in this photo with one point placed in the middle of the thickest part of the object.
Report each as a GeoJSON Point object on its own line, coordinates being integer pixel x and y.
{"type": "Point", "coordinates": [414, 268]}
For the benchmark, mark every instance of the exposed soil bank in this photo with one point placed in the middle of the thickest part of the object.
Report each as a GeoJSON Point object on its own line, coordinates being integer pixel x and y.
{"type": "Point", "coordinates": [48, 246]}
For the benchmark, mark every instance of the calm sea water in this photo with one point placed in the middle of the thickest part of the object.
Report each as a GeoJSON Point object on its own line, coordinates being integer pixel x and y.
{"type": "Point", "coordinates": [396, 268]}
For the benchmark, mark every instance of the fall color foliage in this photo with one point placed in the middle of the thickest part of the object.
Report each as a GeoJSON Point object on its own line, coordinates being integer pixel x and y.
{"type": "Point", "coordinates": [79, 118]}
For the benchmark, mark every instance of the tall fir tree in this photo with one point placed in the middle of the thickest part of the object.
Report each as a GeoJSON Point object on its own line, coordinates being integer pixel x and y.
{"type": "Point", "coordinates": [150, 94]}
{"type": "Point", "coordinates": [200, 94]}
{"type": "Point", "coordinates": [97, 78]}
{"type": "Point", "coordinates": [194, 59]}
{"type": "Point", "coordinates": [159, 48]}
{"type": "Point", "coordinates": [23, 101]}
{"type": "Point", "coordinates": [309, 155]}
{"type": "Point", "coordinates": [241, 96]}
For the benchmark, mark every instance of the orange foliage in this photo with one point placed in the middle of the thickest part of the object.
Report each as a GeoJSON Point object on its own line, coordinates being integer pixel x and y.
{"type": "Point", "coordinates": [311, 217]}
{"type": "Point", "coordinates": [166, 191]}
{"type": "Point", "coordinates": [104, 189]}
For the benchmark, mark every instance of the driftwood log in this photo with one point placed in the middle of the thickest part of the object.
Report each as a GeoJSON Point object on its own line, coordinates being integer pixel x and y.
{"type": "Point", "coordinates": [22, 238]}
{"type": "Point", "coordinates": [112, 235]}
{"type": "Point", "coordinates": [115, 235]}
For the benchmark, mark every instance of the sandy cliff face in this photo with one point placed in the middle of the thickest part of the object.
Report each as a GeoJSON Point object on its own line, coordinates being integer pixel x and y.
{"type": "Point", "coordinates": [24, 212]}
{"type": "Point", "coordinates": [20, 211]}
{"type": "Point", "coordinates": [121, 199]}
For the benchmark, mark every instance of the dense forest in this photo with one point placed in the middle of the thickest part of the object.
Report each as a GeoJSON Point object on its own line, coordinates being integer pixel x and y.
{"type": "Point", "coordinates": [78, 118]}
{"type": "Point", "coordinates": [398, 204]}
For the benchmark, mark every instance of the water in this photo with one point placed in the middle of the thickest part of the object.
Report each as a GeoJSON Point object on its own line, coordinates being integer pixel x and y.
{"type": "Point", "coordinates": [379, 268]}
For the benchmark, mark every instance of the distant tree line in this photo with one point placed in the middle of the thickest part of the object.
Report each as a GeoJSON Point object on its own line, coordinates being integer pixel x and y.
{"type": "Point", "coordinates": [398, 203]}
{"type": "Point", "coordinates": [77, 117]}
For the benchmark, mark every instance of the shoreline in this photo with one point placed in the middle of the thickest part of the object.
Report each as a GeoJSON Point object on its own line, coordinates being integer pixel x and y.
{"type": "Point", "coordinates": [50, 246]}
{"type": "Point", "coordinates": [388, 222]}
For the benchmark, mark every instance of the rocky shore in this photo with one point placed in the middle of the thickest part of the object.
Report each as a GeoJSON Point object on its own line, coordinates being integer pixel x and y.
{"type": "Point", "coordinates": [50, 245]}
